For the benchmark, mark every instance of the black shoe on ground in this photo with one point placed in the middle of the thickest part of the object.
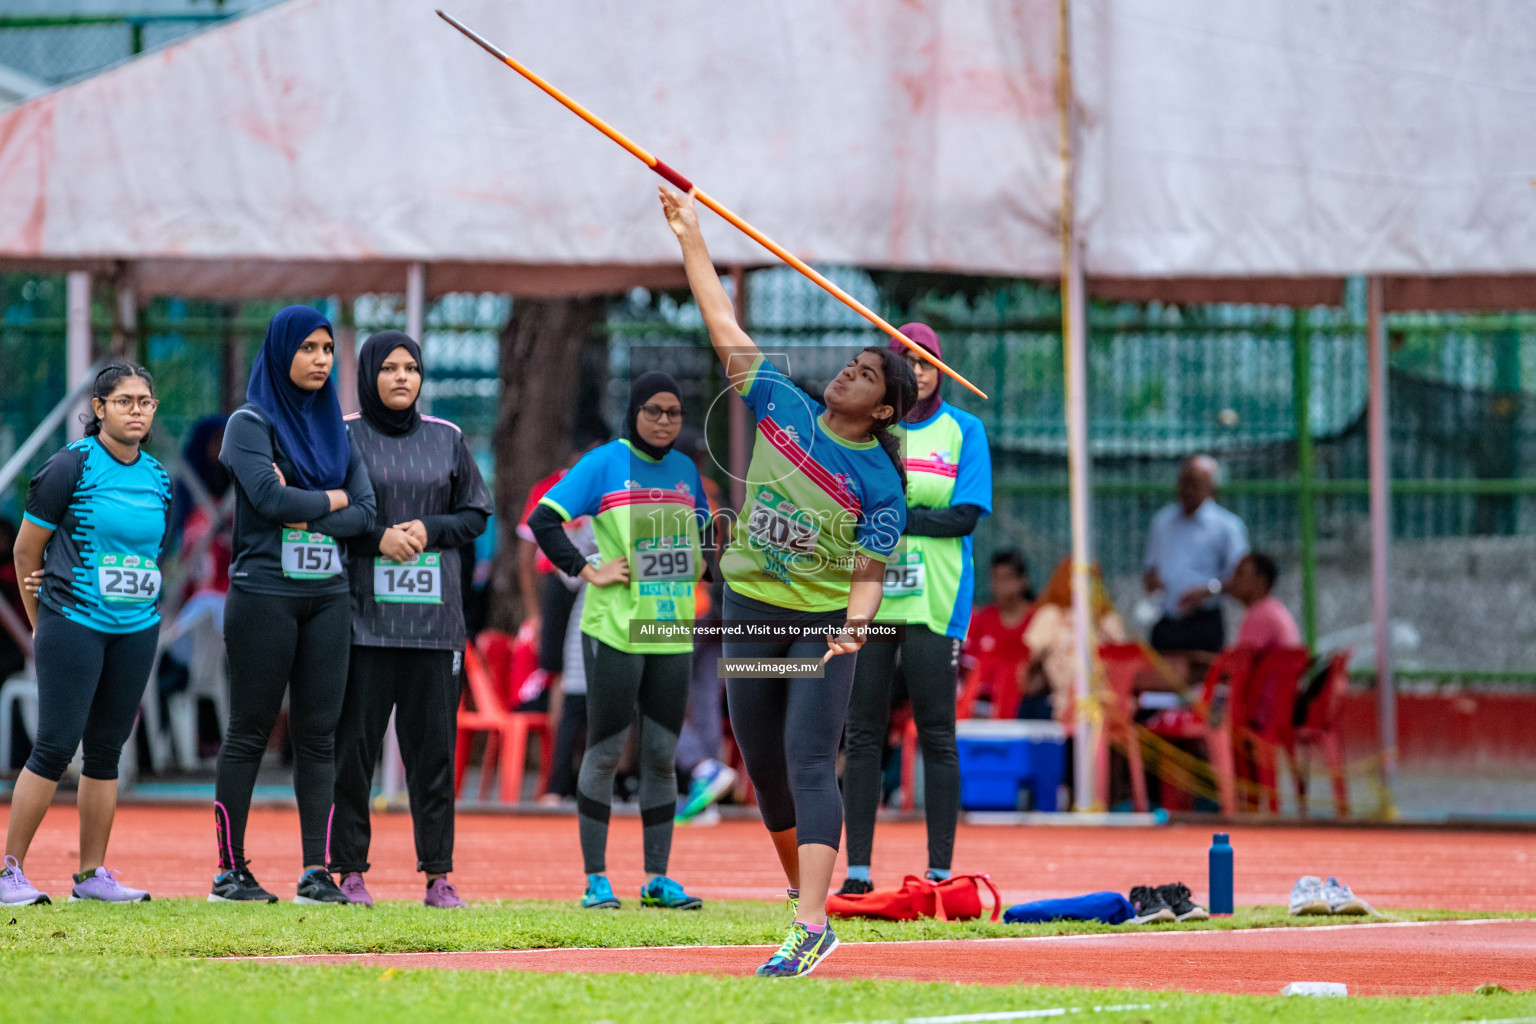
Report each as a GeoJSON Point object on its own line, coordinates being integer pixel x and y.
{"type": "Point", "coordinates": [239, 886]}
{"type": "Point", "coordinates": [855, 887]}
{"type": "Point", "coordinates": [317, 886]}
{"type": "Point", "coordinates": [1178, 897]}
{"type": "Point", "coordinates": [1149, 906]}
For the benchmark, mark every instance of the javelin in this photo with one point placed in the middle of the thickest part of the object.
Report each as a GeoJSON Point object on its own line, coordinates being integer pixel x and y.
{"type": "Point", "coordinates": [689, 187]}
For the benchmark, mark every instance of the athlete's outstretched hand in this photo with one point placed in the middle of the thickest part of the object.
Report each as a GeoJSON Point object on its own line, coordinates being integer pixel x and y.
{"type": "Point", "coordinates": [682, 217]}
{"type": "Point", "coordinates": [615, 570]}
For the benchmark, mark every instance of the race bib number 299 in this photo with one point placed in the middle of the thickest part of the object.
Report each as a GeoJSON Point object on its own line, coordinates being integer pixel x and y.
{"type": "Point", "coordinates": [310, 556]}
{"type": "Point", "coordinates": [127, 579]}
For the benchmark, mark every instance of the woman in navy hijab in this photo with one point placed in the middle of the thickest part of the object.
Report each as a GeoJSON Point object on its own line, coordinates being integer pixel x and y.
{"type": "Point", "coordinates": [301, 490]}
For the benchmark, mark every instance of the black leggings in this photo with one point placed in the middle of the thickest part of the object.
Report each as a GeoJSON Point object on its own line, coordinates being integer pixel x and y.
{"type": "Point", "coordinates": [930, 665]}
{"type": "Point", "coordinates": [297, 644]}
{"type": "Point", "coordinates": [88, 688]}
{"type": "Point", "coordinates": [788, 729]}
{"type": "Point", "coordinates": [423, 688]}
{"type": "Point", "coordinates": [619, 684]}
{"type": "Point", "coordinates": [570, 744]}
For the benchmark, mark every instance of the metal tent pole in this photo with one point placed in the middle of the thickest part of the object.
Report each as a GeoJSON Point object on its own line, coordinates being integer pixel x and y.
{"type": "Point", "coordinates": [416, 316]}
{"type": "Point", "coordinates": [740, 437]}
{"type": "Point", "coordinates": [1074, 340]}
{"type": "Point", "coordinates": [77, 340]}
{"type": "Point", "coordinates": [1306, 492]}
{"type": "Point", "coordinates": [1381, 528]}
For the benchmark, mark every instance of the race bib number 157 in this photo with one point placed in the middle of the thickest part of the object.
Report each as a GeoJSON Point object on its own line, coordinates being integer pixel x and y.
{"type": "Point", "coordinates": [310, 556]}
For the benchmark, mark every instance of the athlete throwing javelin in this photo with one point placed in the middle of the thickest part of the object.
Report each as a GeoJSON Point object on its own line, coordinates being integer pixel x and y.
{"type": "Point", "coordinates": [825, 508]}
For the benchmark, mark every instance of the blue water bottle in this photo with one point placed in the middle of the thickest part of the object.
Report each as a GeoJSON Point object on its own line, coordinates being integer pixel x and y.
{"type": "Point", "coordinates": [1221, 874]}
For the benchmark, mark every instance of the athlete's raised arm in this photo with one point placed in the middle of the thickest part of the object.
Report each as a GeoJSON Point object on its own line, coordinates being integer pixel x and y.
{"type": "Point", "coordinates": [736, 350]}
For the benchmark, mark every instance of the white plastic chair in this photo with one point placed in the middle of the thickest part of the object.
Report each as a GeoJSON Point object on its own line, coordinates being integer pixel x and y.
{"type": "Point", "coordinates": [19, 692]}
{"type": "Point", "coordinates": [208, 679]}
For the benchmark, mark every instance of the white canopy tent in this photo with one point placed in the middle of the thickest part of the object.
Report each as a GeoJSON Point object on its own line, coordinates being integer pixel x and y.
{"type": "Point", "coordinates": [1253, 152]}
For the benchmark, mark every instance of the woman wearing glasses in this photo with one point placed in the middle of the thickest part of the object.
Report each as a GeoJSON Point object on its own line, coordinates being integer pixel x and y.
{"type": "Point", "coordinates": [648, 509]}
{"type": "Point", "coordinates": [96, 520]}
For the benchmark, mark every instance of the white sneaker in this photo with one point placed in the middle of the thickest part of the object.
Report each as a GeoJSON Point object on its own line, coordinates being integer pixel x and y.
{"type": "Point", "coordinates": [1307, 896]}
{"type": "Point", "coordinates": [1341, 900]}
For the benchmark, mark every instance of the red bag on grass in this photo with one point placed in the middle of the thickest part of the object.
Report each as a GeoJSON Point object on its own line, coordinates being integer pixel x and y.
{"type": "Point", "coordinates": [954, 899]}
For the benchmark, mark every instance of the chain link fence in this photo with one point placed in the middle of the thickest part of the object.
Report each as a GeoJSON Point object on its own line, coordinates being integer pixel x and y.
{"type": "Point", "coordinates": [59, 48]}
{"type": "Point", "coordinates": [1164, 382]}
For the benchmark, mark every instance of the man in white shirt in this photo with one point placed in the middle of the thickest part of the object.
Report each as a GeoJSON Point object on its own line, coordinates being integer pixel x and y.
{"type": "Point", "coordinates": [1193, 546]}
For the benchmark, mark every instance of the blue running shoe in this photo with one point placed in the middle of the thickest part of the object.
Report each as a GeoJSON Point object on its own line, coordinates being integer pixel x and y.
{"type": "Point", "coordinates": [662, 892]}
{"type": "Point", "coordinates": [792, 900]}
{"type": "Point", "coordinates": [711, 781]}
{"type": "Point", "coordinates": [599, 894]}
{"type": "Point", "coordinates": [802, 951]}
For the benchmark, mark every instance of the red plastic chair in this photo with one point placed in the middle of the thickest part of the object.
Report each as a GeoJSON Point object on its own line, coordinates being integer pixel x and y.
{"type": "Point", "coordinates": [1122, 664]}
{"type": "Point", "coordinates": [481, 709]}
{"type": "Point", "coordinates": [1212, 726]}
{"type": "Point", "coordinates": [1321, 730]}
{"type": "Point", "coordinates": [1270, 699]}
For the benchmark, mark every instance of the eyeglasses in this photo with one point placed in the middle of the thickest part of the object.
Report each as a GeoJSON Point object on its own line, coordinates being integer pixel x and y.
{"type": "Point", "coordinates": [657, 414]}
{"type": "Point", "coordinates": [126, 402]}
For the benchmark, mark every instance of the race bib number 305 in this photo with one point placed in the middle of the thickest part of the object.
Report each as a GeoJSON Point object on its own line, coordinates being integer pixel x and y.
{"type": "Point", "coordinates": [127, 579]}
{"type": "Point", "coordinates": [780, 524]}
{"type": "Point", "coordinates": [904, 575]}
{"type": "Point", "coordinates": [662, 559]}
{"type": "Point", "coordinates": [310, 556]}
{"type": "Point", "coordinates": [418, 581]}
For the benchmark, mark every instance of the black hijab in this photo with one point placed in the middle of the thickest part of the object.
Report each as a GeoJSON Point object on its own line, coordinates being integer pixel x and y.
{"type": "Point", "coordinates": [646, 387]}
{"type": "Point", "coordinates": [394, 422]}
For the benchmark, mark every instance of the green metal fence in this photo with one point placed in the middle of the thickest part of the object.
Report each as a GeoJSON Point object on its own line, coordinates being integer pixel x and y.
{"type": "Point", "coordinates": [1277, 395]}
{"type": "Point", "coordinates": [58, 48]}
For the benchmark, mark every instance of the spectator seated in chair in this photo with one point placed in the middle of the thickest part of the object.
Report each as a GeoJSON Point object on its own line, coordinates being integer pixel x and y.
{"type": "Point", "coordinates": [1267, 623]}
{"type": "Point", "coordinates": [995, 642]}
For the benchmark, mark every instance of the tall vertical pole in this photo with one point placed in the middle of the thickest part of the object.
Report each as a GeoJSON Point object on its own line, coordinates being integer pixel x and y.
{"type": "Point", "coordinates": [1306, 491]}
{"type": "Point", "coordinates": [738, 423]}
{"type": "Point", "coordinates": [125, 315]}
{"type": "Point", "coordinates": [416, 317]}
{"type": "Point", "coordinates": [1074, 340]}
{"type": "Point", "coordinates": [1381, 527]}
{"type": "Point", "coordinates": [345, 369]}
{"type": "Point", "coordinates": [77, 340]}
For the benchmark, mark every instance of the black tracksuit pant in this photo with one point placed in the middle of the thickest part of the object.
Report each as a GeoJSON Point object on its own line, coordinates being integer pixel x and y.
{"type": "Point", "coordinates": [298, 644]}
{"type": "Point", "coordinates": [422, 687]}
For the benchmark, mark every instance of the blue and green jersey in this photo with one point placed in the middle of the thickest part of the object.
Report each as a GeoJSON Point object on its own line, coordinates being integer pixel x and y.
{"type": "Point", "coordinates": [650, 511]}
{"type": "Point", "coordinates": [931, 581]}
{"type": "Point", "coordinates": [814, 500]}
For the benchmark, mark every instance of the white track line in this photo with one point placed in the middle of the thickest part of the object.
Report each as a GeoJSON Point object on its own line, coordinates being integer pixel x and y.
{"type": "Point", "coordinates": [1057, 1011]}
{"type": "Point", "coordinates": [1273, 929]}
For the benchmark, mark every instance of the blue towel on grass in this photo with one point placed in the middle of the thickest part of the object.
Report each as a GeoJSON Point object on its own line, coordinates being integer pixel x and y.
{"type": "Point", "coordinates": [1109, 907]}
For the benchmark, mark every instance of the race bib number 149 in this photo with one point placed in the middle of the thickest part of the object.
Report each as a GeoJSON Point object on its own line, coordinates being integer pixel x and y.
{"type": "Point", "coordinates": [418, 581]}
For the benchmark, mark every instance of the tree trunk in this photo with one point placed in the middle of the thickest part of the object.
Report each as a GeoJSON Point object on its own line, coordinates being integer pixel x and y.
{"type": "Point", "coordinates": [541, 357]}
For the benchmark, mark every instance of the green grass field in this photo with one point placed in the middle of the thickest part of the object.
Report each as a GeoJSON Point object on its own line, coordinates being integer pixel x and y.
{"type": "Point", "coordinates": [142, 963]}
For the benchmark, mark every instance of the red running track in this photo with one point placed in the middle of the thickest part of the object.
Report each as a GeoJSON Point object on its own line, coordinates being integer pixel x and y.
{"type": "Point", "coordinates": [171, 852]}
{"type": "Point", "coordinates": [1372, 959]}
